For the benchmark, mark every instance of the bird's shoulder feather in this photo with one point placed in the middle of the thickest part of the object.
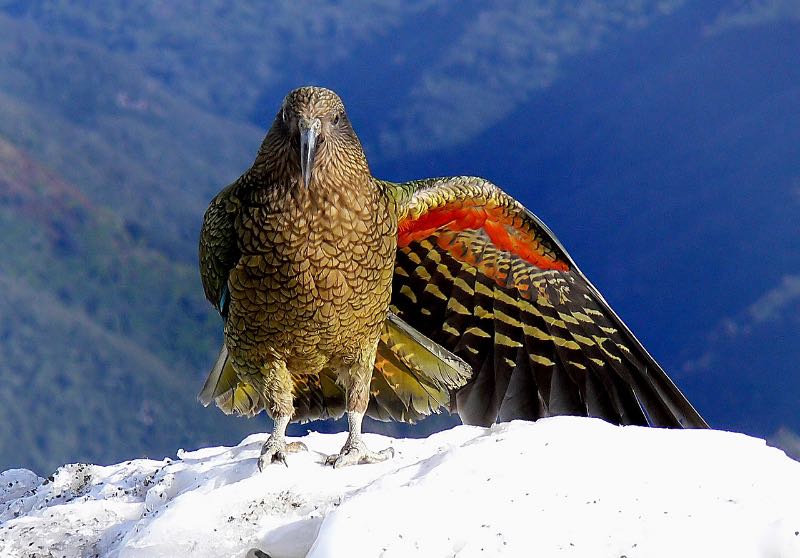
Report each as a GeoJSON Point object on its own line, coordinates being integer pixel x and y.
{"type": "Point", "coordinates": [218, 248]}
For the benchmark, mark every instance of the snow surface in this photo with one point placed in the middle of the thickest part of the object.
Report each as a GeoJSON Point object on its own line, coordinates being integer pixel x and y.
{"type": "Point", "coordinates": [559, 487]}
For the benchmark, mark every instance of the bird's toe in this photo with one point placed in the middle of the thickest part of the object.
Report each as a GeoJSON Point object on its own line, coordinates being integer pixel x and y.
{"type": "Point", "coordinates": [294, 447]}
{"type": "Point", "coordinates": [358, 454]}
{"type": "Point", "coordinates": [274, 450]}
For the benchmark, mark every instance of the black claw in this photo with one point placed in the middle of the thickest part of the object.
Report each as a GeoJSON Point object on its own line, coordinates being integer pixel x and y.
{"type": "Point", "coordinates": [280, 457]}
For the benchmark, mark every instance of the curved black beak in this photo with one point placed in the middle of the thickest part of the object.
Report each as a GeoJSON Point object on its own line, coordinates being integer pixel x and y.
{"type": "Point", "coordinates": [309, 132]}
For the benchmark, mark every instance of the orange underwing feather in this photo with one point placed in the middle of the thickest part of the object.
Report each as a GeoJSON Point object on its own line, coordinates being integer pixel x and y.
{"type": "Point", "coordinates": [461, 215]}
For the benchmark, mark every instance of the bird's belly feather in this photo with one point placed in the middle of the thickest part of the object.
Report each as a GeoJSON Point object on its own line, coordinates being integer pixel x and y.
{"type": "Point", "coordinates": [309, 290]}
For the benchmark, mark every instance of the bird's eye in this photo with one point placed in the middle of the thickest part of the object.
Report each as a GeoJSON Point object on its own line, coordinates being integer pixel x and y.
{"type": "Point", "coordinates": [336, 119]}
{"type": "Point", "coordinates": [284, 116]}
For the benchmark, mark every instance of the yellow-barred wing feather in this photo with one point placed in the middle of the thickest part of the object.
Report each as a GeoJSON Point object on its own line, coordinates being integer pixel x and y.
{"type": "Point", "coordinates": [485, 278]}
{"type": "Point", "coordinates": [413, 377]}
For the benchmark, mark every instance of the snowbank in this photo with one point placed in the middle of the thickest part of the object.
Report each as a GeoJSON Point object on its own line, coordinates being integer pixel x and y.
{"type": "Point", "coordinates": [558, 487]}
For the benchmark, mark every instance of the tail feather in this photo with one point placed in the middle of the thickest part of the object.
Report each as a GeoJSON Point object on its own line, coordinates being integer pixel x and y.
{"type": "Point", "coordinates": [231, 395]}
{"type": "Point", "coordinates": [220, 379]}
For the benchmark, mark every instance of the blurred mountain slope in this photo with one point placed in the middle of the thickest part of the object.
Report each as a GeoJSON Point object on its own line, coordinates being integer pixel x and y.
{"type": "Point", "coordinates": [659, 139]}
{"type": "Point", "coordinates": [108, 128]}
{"type": "Point", "coordinates": [98, 331]}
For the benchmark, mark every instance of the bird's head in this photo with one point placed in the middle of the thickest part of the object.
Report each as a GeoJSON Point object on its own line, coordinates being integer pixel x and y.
{"type": "Point", "coordinates": [314, 123]}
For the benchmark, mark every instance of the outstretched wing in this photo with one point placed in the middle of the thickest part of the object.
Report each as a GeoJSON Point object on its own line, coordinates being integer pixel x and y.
{"type": "Point", "coordinates": [481, 275]}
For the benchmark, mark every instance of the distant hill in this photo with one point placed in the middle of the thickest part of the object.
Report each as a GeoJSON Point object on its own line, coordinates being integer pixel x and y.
{"type": "Point", "coordinates": [659, 139]}
{"type": "Point", "coordinates": [118, 135]}
{"type": "Point", "coordinates": [101, 336]}
{"type": "Point", "coordinates": [762, 340]}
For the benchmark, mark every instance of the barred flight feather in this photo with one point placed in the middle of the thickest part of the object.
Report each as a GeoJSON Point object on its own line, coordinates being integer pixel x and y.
{"type": "Point", "coordinates": [495, 287]}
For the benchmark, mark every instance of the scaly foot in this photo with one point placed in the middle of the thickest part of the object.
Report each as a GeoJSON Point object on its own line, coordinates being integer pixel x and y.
{"type": "Point", "coordinates": [355, 452]}
{"type": "Point", "coordinates": [275, 450]}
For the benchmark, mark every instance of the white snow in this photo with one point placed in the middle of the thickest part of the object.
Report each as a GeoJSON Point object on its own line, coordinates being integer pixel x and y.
{"type": "Point", "coordinates": [559, 487]}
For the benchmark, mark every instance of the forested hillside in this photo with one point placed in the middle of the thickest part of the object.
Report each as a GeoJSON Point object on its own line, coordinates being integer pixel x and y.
{"type": "Point", "coordinates": [658, 139]}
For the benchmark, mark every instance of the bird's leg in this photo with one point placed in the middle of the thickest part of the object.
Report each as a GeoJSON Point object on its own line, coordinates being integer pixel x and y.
{"type": "Point", "coordinates": [355, 450]}
{"type": "Point", "coordinates": [279, 396]}
{"type": "Point", "coordinates": [275, 448]}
